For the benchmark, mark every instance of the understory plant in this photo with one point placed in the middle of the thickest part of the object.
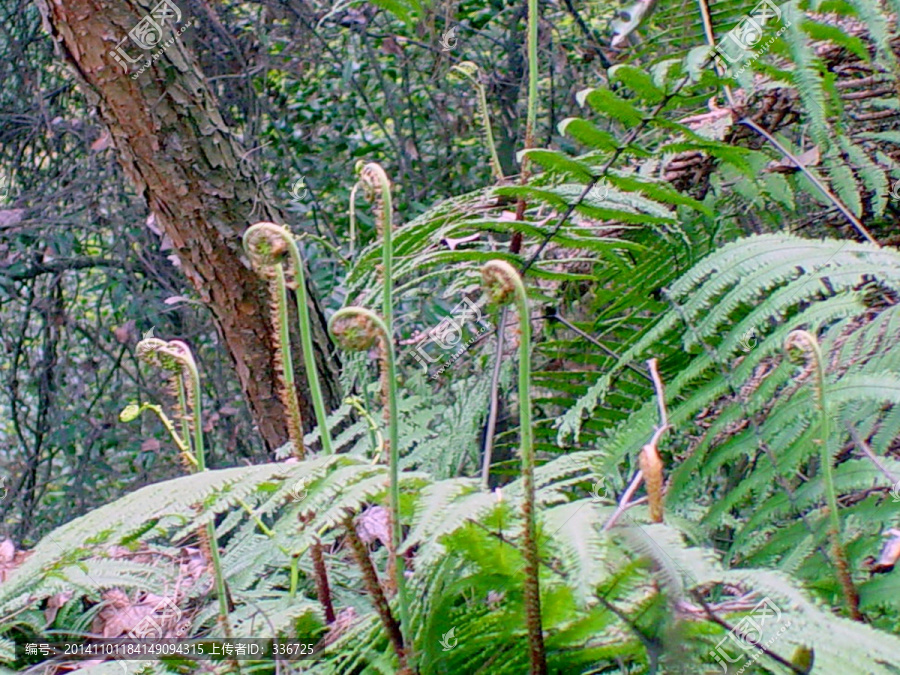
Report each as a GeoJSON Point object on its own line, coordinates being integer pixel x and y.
{"type": "Point", "coordinates": [269, 246]}
{"type": "Point", "coordinates": [779, 486]}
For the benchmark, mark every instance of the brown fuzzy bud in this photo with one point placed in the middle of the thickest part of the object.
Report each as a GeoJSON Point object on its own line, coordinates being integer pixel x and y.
{"type": "Point", "coordinates": [354, 333]}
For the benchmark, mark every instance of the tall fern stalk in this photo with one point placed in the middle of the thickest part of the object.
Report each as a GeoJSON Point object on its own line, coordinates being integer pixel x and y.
{"type": "Point", "coordinates": [357, 329]}
{"type": "Point", "coordinates": [270, 267]}
{"type": "Point", "coordinates": [175, 356]}
{"type": "Point", "coordinates": [266, 244]}
{"type": "Point", "coordinates": [503, 284]}
{"type": "Point", "coordinates": [471, 72]}
{"type": "Point", "coordinates": [531, 114]}
{"type": "Point", "coordinates": [807, 343]}
{"type": "Point", "coordinates": [378, 186]}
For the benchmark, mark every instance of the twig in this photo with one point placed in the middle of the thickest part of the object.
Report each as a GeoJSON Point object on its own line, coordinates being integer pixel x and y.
{"type": "Point", "coordinates": [624, 502]}
{"type": "Point", "coordinates": [862, 445]}
{"type": "Point", "coordinates": [553, 315]}
{"type": "Point", "coordinates": [629, 138]}
{"type": "Point", "coordinates": [812, 177]}
{"type": "Point", "coordinates": [495, 404]}
{"type": "Point", "coordinates": [765, 650]}
{"type": "Point", "coordinates": [661, 402]}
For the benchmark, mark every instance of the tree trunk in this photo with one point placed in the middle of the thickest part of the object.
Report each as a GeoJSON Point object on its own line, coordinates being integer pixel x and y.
{"type": "Point", "coordinates": [178, 152]}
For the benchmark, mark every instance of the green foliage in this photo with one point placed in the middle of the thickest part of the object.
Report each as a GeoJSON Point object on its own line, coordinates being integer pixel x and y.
{"type": "Point", "coordinates": [768, 466]}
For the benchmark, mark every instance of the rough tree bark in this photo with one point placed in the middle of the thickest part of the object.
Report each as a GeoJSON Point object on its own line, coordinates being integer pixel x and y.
{"type": "Point", "coordinates": [176, 149]}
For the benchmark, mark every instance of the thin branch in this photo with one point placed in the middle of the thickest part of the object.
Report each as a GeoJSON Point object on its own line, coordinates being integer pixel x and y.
{"type": "Point", "coordinates": [812, 177]}
{"type": "Point", "coordinates": [494, 404]}
{"type": "Point", "coordinates": [624, 502]}
{"type": "Point", "coordinates": [765, 650]}
{"type": "Point", "coordinates": [661, 403]}
{"type": "Point", "coordinates": [862, 445]}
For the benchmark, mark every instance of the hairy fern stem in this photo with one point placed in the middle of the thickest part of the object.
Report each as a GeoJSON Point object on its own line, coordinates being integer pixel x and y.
{"type": "Point", "coordinates": [501, 281]}
{"type": "Point", "coordinates": [358, 329]}
{"type": "Point", "coordinates": [266, 244]}
{"type": "Point", "coordinates": [471, 72]}
{"type": "Point", "coordinates": [373, 587]}
{"type": "Point", "coordinates": [807, 343]}
{"type": "Point", "coordinates": [175, 356]}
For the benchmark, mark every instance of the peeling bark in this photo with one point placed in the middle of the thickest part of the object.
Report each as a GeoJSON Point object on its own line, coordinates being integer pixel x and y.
{"type": "Point", "coordinates": [177, 151]}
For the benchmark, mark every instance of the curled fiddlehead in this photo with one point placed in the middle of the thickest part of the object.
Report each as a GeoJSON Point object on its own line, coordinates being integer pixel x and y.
{"type": "Point", "coordinates": [175, 357]}
{"type": "Point", "coordinates": [806, 344]}
{"type": "Point", "coordinates": [378, 188]}
{"type": "Point", "coordinates": [358, 329]}
{"type": "Point", "coordinates": [267, 252]}
{"type": "Point", "coordinates": [503, 284]}
{"type": "Point", "coordinates": [269, 245]}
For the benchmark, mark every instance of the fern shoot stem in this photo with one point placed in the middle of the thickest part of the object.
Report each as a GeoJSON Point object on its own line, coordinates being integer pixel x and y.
{"type": "Point", "coordinates": [180, 442]}
{"type": "Point", "coordinates": [353, 192]}
{"type": "Point", "coordinates": [200, 453]}
{"type": "Point", "coordinates": [531, 114]}
{"type": "Point", "coordinates": [288, 387]}
{"type": "Point", "coordinates": [266, 240]}
{"type": "Point", "coordinates": [175, 356]}
{"type": "Point", "coordinates": [808, 343]}
{"type": "Point", "coordinates": [503, 283]}
{"type": "Point", "coordinates": [182, 410]}
{"type": "Point", "coordinates": [356, 328]}
{"type": "Point", "coordinates": [489, 132]}
{"type": "Point", "coordinates": [370, 578]}
{"type": "Point", "coordinates": [471, 71]}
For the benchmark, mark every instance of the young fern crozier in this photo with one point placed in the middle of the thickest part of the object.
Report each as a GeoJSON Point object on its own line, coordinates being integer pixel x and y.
{"type": "Point", "coordinates": [375, 181]}
{"type": "Point", "coordinates": [358, 329]}
{"type": "Point", "coordinates": [470, 71]}
{"type": "Point", "coordinates": [266, 245]}
{"type": "Point", "coordinates": [267, 255]}
{"type": "Point", "coordinates": [503, 284]}
{"type": "Point", "coordinates": [807, 344]}
{"type": "Point", "coordinates": [176, 357]}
